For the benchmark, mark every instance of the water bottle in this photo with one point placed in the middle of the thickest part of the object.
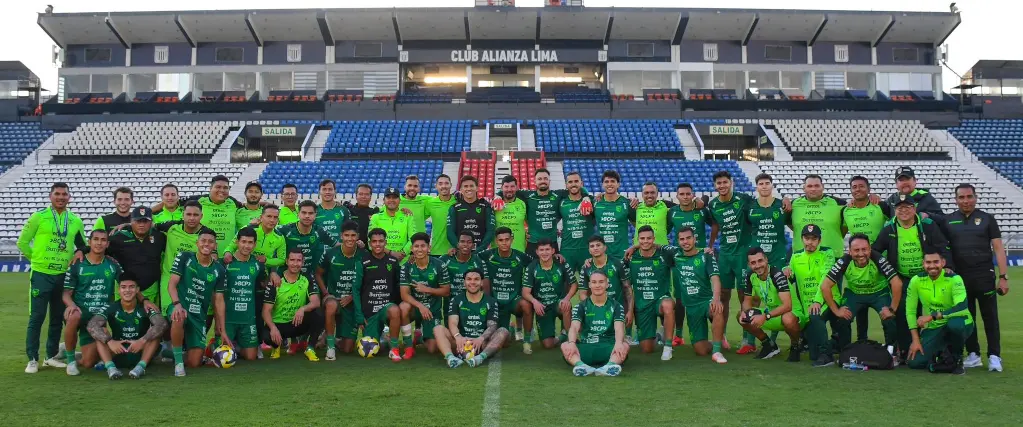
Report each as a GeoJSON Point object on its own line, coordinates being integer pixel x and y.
{"type": "Point", "coordinates": [854, 365]}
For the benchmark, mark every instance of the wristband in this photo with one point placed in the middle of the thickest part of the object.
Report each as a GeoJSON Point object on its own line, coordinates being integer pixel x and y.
{"type": "Point", "coordinates": [177, 303]}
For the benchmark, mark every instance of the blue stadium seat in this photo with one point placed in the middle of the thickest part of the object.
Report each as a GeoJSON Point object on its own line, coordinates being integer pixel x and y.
{"type": "Point", "coordinates": [18, 140]}
{"type": "Point", "coordinates": [348, 174]}
{"type": "Point", "coordinates": [609, 136]}
{"type": "Point", "coordinates": [399, 136]}
{"type": "Point", "coordinates": [664, 172]}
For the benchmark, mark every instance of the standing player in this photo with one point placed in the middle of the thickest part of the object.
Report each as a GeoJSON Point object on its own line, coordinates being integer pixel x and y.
{"type": "Point", "coordinates": [289, 208]}
{"type": "Point", "coordinates": [414, 203]}
{"type": "Point", "coordinates": [246, 215]}
{"type": "Point", "coordinates": [361, 211]}
{"type": "Point", "coordinates": [820, 209]}
{"type": "Point", "coordinates": [541, 210]}
{"type": "Point", "coordinates": [806, 270]}
{"type": "Point", "coordinates": [862, 216]}
{"type": "Point", "coordinates": [338, 272]}
{"type": "Point", "coordinates": [49, 240]}
{"type": "Point", "coordinates": [305, 235]}
{"type": "Point", "coordinates": [124, 198]}
{"type": "Point", "coordinates": [945, 322]}
{"type": "Point", "coordinates": [134, 335]}
{"type": "Point", "coordinates": [614, 214]}
{"type": "Point", "coordinates": [650, 275]}
{"type": "Point", "coordinates": [549, 288]}
{"type": "Point", "coordinates": [235, 301]}
{"type": "Point", "coordinates": [424, 282]}
{"type": "Point", "coordinates": [471, 214]}
{"type": "Point", "coordinates": [139, 250]}
{"type": "Point", "coordinates": [472, 318]}
{"type": "Point", "coordinates": [599, 322]}
{"type": "Point", "coordinates": [270, 249]}
{"type": "Point", "coordinates": [577, 226]}
{"type": "Point", "coordinates": [181, 237]}
{"type": "Point", "coordinates": [436, 210]}
{"type": "Point", "coordinates": [219, 211]}
{"type": "Point", "coordinates": [171, 205]}
{"type": "Point", "coordinates": [729, 211]}
{"type": "Point", "coordinates": [462, 261]}
{"type": "Point", "coordinates": [698, 287]}
{"type": "Point", "coordinates": [683, 215]}
{"type": "Point", "coordinates": [768, 219]}
{"type": "Point", "coordinates": [375, 295]}
{"type": "Point", "coordinates": [927, 205]}
{"type": "Point", "coordinates": [330, 214]}
{"type": "Point", "coordinates": [193, 278]}
{"type": "Point", "coordinates": [505, 266]}
{"type": "Point", "coordinates": [768, 286]}
{"type": "Point", "coordinates": [292, 309]}
{"type": "Point", "coordinates": [88, 290]}
{"type": "Point", "coordinates": [653, 213]}
{"type": "Point", "coordinates": [399, 225]}
{"type": "Point", "coordinates": [618, 286]}
{"type": "Point", "coordinates": [510, 212]}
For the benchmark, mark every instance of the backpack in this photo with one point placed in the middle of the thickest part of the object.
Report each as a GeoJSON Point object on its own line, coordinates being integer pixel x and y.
{"type": "Point", "coordinates": [869, 353]}
{"type": "Point", "coordinates": [942, 363]}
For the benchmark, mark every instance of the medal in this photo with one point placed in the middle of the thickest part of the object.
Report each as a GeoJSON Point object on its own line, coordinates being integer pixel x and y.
{"type": "Point", "coordinates": [61, 234]}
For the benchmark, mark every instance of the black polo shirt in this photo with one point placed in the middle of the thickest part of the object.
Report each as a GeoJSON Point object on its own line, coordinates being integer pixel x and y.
{"type": "Point", "coordinates": [361, 216]}
{"type": "Point", "coordinates": [141, 257]}
{"type": "Point", "coordinates": [970, 237]}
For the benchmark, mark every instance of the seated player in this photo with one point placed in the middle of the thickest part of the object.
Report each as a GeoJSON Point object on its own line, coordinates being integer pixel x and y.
{"type": "Point", "coordinates": [600, 323]}
{"type": "Point", "coordinates": [88, 290]}
{"type": "Point", "coordinates": [424, 281]}
{"type": "Point", "coordinates": [235, 303]}
{"type": "Point", "coordinates": [768, 286]}
{"type": "Point", "coordinates": [134, 332]}
{"type": "Point", "coordinates": [339, 270]}
{"type": "Point", "coordinates": [194, 276]}
{"type": "Point", "coordinates": [291, 309]}
{"type": "Point", "coordinates": [698, 287]}
{"type": "Point", "coordinates": [549, 287]}
{"type": "Point", "coordinates": [375, 294]}
{"type": "Point", "coordinates": [945, 322]}
{"type": "Point", "coordinates": [472, 319]}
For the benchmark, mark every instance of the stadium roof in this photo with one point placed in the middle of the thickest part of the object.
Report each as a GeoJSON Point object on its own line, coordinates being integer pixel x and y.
{"type": "Point", "coordinates": [467, 24]}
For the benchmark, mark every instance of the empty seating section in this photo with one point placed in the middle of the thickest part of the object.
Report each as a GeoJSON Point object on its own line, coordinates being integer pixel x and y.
{"type": "Point", "coordinates": [1011, 170]}
{"type": "Point", "coordinates": [292, 96]}
{"type": "Point", "coordinates": [223, 96]}
{"type": "Point", "coordinates": [347, 173]}
{"type": "Point", "coordinates": [524, 171]}
{"type": "Point", "coordinates": [405, 136]}
{"type": "Point", "coordinates": [667, 174]}
{"type": "Point", "coordinates": [344, 95]}
{"type": "Point", "coordinates": [518, 95]}
{"type": "Point", "coordinates": [851, 136]}
{"type": "Point", "coordinates": [141, 138]}
{"type": "Point", "coordinates": [481, 168]}
{"type": "Point", "coordinates": [991, 139]}
{"type": "Point", "coordinates": [18, 140]}
{"type": "Point", "coordinates": [602, 136]}
{"type": "Point", "coordinates": [662, 94]}
{"type": "Point", "coordinates": [938, 177]}
{"type": "Point", "coordinates": [431, 97]}
{"type": "Point", "coordinates": [580, 95]}
{"type": "Point", "coordinates": [91, 187]}
{"type": "Point", "coordinates": [157, 97]}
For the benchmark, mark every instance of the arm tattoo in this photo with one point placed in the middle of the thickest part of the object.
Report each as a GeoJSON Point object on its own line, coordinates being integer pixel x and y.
{"type": "Point", "coordinates": [157, 325]}
{"type": "Point", "coordinates": [491, 328]}
{"type": "Point", "coordinates": [97, 328]}
{"type": "Point", "coordinates": [627, 297]}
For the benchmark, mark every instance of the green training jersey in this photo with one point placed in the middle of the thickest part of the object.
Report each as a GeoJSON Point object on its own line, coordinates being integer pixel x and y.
{"type": "Point", "coordinates": [911, 252]}
{"type": "Point", "coordinates": [867, 220]}
{"type": "Point", "coordinates": [598, 321]}
{"type": "Point", "coordinates": [239, 289]}
{"type": "Point", "coordinates": [195, 288]}
{"type": "Point", "coordinates": [733, 228]}
{"type": "Point", "coordinates": [697, 219]}
{"type": "Point", "coordinates": [808, 271]}
{"type": "Point", "coordinates": [692, 274]}
{"type": "Point", "coordinates": [288, 215]}
{"type": "Point", "coordinates": [269, 244]}
{"type": "Point", "coordinates": [433, 275]}
{"type": "Point", "coordinates": [505, 273]}
{"type": "Point", "coordinates": [825, 213]}
{"type": "Point", "coordinates": [473, 317]}
{"type": "Point", "coordinates": [767, 289]}
{"type": "Point", "coordinates": [49, 240]}
{"type": "Point", "coordinates": [548, 285]}
{"type": "Point", "coordinates": [330, 220]}
{"type": "Point", "coordinates": [128, 325]}
{"type": "Point", "coordinates": [178, 240]}
{"type": "Point", "coordinates": [617, 276]}
{"type": "Point", "coordinates": [93, 285]}
{"type": "Point", "coordinates": [437, 212]}
{"type": "Point", "coordinates": [341, 272]}
{"type": "Point", "coordinates": [945, 295]}
{"type": "Point", "coordinates": [650, 276]}
{"type": "Point", "coordinates": [656, 217]}
{"type": "Point", "coordinates": [576, 228]}
{"type": "Point", "coordinates": [418, 208]}
{"type": "Point", "coordinates": [221, 218]}
{"type": "Point", "coordinates": [245, 215]}
{"type": "Point", "coordinates": [399, 228]}
{"type": "Point", "coordinates": [542, 213]}
{"type": "Point", "coordinates": [768, 227]}
{"type": "Point", "coordinates": [613, 221]}
{"type": "Point", "coordinates": [288, 298]}
{"type": "Point", "coordinates": [871, 278]}
{"type": "Point", "coordinates": [457, 269]}
{"type": "Point", "coordinates": [313, 244]}
{"type": "Point", "coordinates": [168, 215]}
{"type": "Point", "coordinates": [513, 216]}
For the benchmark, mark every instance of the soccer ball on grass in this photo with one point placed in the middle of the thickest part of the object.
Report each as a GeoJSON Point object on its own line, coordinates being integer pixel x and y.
{"type": "Point", "coordinates": [224, 357]}
{"type": "Point", "coordinates": [368, 347]}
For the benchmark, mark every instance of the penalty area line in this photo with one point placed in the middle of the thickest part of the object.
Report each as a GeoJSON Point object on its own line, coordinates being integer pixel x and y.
{"type": "Point", "coordinates": [492, 394]}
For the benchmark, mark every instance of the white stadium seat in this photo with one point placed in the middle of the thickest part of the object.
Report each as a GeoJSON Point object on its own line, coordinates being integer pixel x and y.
{"type": "Point", "coordinates": [138, 138]}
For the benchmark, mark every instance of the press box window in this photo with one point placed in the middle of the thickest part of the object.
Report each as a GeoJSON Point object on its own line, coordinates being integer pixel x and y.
{"type": "Point", "coordinates": [230, 54]}
{"type": "Point", "coordinates": [641, 50]}
{"type": "Point", "coordinates": [368, 50]}
{"type": "Point", "coordinates": [778, 53]}
{"type": "Point", "coordinates": [905, 54]}
{"type": "Point", "coordinates": [97, 55]}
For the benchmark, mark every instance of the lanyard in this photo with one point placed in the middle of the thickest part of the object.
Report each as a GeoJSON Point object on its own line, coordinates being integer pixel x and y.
{"type": "Point", "coordinates": [62, 234]}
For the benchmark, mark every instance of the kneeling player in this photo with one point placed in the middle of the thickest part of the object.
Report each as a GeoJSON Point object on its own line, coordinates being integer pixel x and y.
{"type": "Point", "coordinates": [235, 303]}
{"type": "Point", "coordinates": [945, 322]}
{"type": "Point", "coordinates": [134, 335]}
{"type": "Point", "coordinates": [600, 323]}
{"type": "Point", "coordinates": [549, 288]}
{"type": "Point", "coordinates": [424, 280]}
{"type": "Point", "coordinates": [768, 285]}
{"type": "Point", "coordinates": [88, 290]}
{"type": "Point", "coordinates": [194, 276]}
{"type": "Point", "coordinates": [375, 294]}
{"type": "Point", "coordinates": [290, 310]}
{"type": "Point", "coordinates": [698, 287]}
{"type": "Point", "coordinates": [473, 321]}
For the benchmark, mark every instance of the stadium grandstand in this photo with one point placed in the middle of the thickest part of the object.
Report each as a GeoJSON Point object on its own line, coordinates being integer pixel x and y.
{"type": "Point", "coordinates": [370, 95]}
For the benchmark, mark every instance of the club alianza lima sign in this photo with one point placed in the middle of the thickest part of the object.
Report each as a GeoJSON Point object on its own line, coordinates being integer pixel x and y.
{"type": "Point", "coordinates": [510, 55]}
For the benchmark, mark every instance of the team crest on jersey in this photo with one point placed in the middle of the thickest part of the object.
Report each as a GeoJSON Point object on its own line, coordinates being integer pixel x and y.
{"type": "Point", "coordinates": [479, 210]}
{"type": "Point", "coordinates": [735, 205]}
{"type": "Point", "coordinates": [556, 277]}
{"type": "Point", "coordinates": [618, 208]}
{"type": "Point", "coordinates": [107, 273]}
{"type": "Point", "coordinates": [697, 262]}
{"type": "Point", "coordinates": [483, 311]}
{"type": "Point", "coordinates": [252, 270]}
{"type": "Point", "coordinates": [657, 263]}
{"type": "Point", "coordinates": [776, 214]}
{"type": "Point", "coordinates": [610, 273]}
{"type": "Point", "coordinates": [607, 315]}
{"type": "Point", "coordinates": [431, 276]}
{"type": "Point", "coordinates": [976, 221]}
{"type": "Point", "coordinates": [697, 217]}
{"type": "Point", "coordinates": [210, 277]}
{"type": "Point", "coordinates": [388, 267]}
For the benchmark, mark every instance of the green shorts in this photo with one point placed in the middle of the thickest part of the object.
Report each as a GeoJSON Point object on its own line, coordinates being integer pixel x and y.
{"type": "Point", "coordinates": [546, 324]}
{"type": "Point", "coordinates": [195, 329]}
{"type": "Point", "coordinates": [84, 337]}
{"type": "Point", "coordinates": [153, 294]}
{"type": "Point", "coordinates": [346, 328]}
{"type": "Point", "coordinates": [646, 319]}
{"type": "Point", "coordinates": [375, 323]}
{"type": "Point", "coordinates": [505, 310]}
{"type": "Point", "coordinates": [775, 325]}
{"type": "Point", "coordinates": [859, 302]}
{"type": "Point", "coordinates": [165, 298]}
{"type": "Point", "coordinates": [127, 360]}
{"type": "Point", "coordinates": [243, 335]}
{"type": "Point", "coordinates": [731, 268]}
{"type": "Point", "coordinates": [596, 355]}
{"type": "Point", "coordinates": [698, 317]}
{"type": "Point", "coordinates": [427, 325]}
{"type": "Point", "coordinates": [575, 258]}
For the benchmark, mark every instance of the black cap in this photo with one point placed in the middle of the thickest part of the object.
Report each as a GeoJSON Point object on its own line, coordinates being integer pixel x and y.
{"type": "Point", "coordinates": [811, 230]}
{"type": "Point", "coordinates": [141, 213]}
{"type": "Point", "coordinates": [905, 171]}
{"type": "Point", "coordinates": [391, 191]}
{"type": "Point", "coordinates": [905, 200]}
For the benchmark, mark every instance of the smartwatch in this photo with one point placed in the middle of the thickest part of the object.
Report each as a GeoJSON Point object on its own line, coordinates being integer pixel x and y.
{"type": "Point", "coordinates": [1003, 276]}
{"type": "Point", "coordinates": [767, 315]}
{"type": "Point", "coordinates": [177, 303]}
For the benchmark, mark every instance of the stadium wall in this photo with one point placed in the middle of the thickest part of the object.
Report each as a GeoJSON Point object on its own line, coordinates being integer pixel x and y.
{"type": "Point", "coordinates": [925, 53]}
{"type": "Point", "coordinates": [859, 53]}
{"type": "Point", "coordinates": [756, 49]}
{"type": "Point", "coordinates": [178, 54]}
{"type": "Point", "coordinates": [313, 52]}
{"type": "Point", "coordinates": [74, 55]}
{"type": "Point", "coordinates": [344, 51]}
{"type": "Point", "coordinates": [206, 53]}
{"type": "Point", "coordinates": [618, 50]}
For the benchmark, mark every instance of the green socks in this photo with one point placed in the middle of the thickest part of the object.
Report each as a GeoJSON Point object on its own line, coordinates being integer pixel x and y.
{"type": "Point", "coordinates": [579, 363]}
{"type": "Point", "coordinates": [716, 345]}
{"type": "Point", "coordinates": [142, 365]}
{"type": "Point", "coordinates": [331, 340]}
{"type": "Point", "coordinates": [527, 337]}
{"type": "Point", "coordinates": [179, 355]}
{"type": "Point", "coordinates": [109, 365]}
{"type": "Point", "coordinates": [69, 355]}
{"type": "Point", "coordinates": [395, 343]}
{"type": "Point", "coordinates": [482, 356]}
